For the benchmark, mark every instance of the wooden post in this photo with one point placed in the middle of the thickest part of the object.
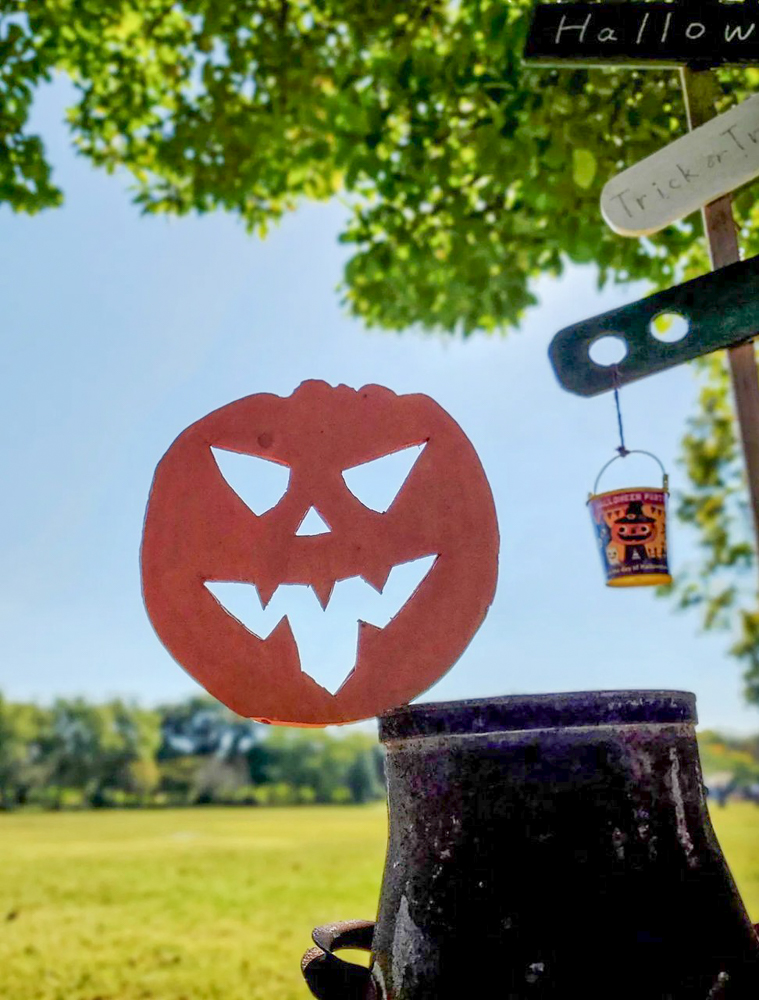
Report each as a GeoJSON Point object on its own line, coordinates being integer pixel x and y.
{"type": "Point", "coordinates": [700, 90]}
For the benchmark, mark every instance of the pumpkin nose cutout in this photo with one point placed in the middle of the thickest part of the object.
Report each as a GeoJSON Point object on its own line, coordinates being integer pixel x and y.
{"type": "Point", "coordinates": [313, 524]}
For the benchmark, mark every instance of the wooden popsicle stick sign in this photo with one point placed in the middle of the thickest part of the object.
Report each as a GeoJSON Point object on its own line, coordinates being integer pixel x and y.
{"type": "Point", "coordinates": [703, 165]}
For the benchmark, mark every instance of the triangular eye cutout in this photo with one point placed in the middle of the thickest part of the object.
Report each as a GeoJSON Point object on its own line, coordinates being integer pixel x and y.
{"type": "Point", "coordinates": [313, 524]}
{"type": "Point", "coordinates": [259, 483]}
{"type": "Point", "coordinates": [377, 483]}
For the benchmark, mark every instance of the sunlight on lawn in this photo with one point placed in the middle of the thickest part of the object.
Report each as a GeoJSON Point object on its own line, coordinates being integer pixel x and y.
{"type": "Point", "coordinates": [185, 904]}
{"type": "Point", "coordinates": [205, 904]}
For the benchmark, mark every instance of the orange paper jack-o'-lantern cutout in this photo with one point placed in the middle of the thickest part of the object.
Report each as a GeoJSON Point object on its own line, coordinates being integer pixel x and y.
{"type": "Point", "coordinates": [198, 530]}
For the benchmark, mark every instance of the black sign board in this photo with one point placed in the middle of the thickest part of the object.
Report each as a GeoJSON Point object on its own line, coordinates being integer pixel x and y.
{"type": "Point", "coordinates": [721, 308]}
{"type": "Point", "coordinates": [643, 34]}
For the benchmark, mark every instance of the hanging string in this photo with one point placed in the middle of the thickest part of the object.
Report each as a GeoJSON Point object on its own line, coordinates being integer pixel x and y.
{"type": "Point", "coordinates": [622, 449]}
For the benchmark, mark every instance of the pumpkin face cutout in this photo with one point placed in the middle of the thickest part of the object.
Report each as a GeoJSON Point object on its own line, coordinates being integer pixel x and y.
{"type": "Point", "coordinates": [199, 532]}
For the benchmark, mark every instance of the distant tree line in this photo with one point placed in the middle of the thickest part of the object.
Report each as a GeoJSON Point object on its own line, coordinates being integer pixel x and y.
{"type": "Point", "coordinates": [737, 754]}
{"type": "Point", "coordinates": [730, 765]}
{"type": "Point", "coordinates": [75, 754]}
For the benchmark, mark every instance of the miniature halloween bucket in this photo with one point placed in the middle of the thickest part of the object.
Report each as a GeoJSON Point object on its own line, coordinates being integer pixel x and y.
{"type": "Point", "coordinates": [631, 530]}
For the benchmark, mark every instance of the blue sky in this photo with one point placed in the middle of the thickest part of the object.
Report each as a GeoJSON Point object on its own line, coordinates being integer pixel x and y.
{"type": "Point", "coordinates": [119, 331]}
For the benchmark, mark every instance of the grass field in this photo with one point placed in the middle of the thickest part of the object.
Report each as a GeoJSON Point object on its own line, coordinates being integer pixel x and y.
{"type": "Point", "coordinates": [214, 904]}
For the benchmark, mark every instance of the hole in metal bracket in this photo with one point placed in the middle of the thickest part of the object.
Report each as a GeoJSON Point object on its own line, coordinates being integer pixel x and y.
{"type": "Point", "coordinates": [607, 350]}
{"type": "Point", "coordinates": [669, 327]}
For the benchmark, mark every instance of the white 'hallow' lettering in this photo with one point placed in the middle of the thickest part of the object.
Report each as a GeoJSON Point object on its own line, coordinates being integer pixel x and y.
{"type": "Point", "coordinates": [642, 29]}
{"type": "Point", "coordinates": [689, 30]}
{"type": "Point", "coordinates": [563, 26]}
{"type": "Point", "coordinates": [743, 35]}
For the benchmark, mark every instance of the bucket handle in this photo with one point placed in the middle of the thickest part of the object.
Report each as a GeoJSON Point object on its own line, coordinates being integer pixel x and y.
{"type": "Point", "coordinates": [636, 451]}
{"type": "Point", "coordinates": [329, 977]}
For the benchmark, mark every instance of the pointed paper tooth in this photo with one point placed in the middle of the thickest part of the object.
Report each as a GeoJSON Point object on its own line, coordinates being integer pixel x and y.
{"type": "Point", "coordinates": [282, 632]}
{"type": "Point", "coordinates": [266, 590]}
{"type": "Point", "coordinates": [366, 635]}
{"type": "Point", "coordinates": [323, 590]}
{"type": "Point", "coordinates": [377, 578]}
{"type": "Point", "coordinates": [282, 637]}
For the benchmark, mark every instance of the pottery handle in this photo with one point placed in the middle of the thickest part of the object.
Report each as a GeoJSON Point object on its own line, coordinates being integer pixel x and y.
{"type": "Point", "coordinates": [329, 977]}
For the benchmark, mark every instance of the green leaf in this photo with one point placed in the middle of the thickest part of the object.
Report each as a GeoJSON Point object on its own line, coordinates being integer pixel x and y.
{"type": "Point", "coordinates": [584, 167]}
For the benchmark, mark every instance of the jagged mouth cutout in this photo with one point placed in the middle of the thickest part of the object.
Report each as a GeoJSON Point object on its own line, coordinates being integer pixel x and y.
{"type": "Point", "coordinates": [324, 624]}
{"type": "Point", "coordinates": [327, 638]}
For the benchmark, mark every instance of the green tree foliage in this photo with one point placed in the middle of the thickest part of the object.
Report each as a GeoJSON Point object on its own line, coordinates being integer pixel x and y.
{"type": "Point", "coordinates": [94, 747]}
{"type": "Point", "coordinates": [465, 172]}
{"type": "Point", "coordinates": [722, 584]}
{"type": "Point", "coordinates": [361, 776]}
{"type": "Point", "coordinates": [735, 756]}
{"type": "Point", "coordinates": [336, 769]}
{"type": "Point", "coordinates": [196, 752]}
{"type": "Point", "coordinates": [21, 764]}
{"type": "Point", "coordinates": [25, 61]}
{"type": "Point", "coordinates": [179, 777]}
{"type": "Point", "coordinates": [141, 777]}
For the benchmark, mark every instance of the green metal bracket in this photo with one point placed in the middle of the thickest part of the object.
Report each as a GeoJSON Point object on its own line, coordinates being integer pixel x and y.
{"type": "Point", "coordinates": [721, 308]}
